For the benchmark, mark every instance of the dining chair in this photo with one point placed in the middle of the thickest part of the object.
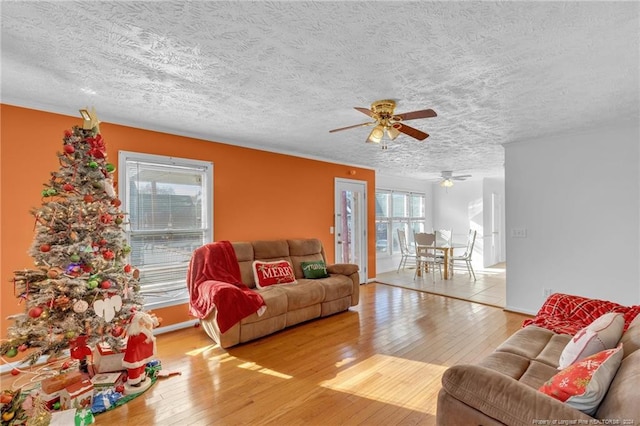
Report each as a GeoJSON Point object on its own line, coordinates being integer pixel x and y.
{"type": "Point", "coordinates": [408, 254]}
{"type": "Point", "coordinates": [443, 236]}
{"type": "Point", "coordinates": [466, 257]}
{"type": "Point", "coordinates": [426, 254]}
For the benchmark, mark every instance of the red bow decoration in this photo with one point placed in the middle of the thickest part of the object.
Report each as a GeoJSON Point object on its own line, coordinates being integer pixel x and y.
{"type": "Point", "coordinates": [79, 348]}
{"type": "Point", "coordinates": [98, 147]}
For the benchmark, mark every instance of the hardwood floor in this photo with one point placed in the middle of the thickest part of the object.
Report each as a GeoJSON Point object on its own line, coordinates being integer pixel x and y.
{"type": "Point", "coordinates": [380, 363]}
{"type": "Point", "coordinates": [489, 288]}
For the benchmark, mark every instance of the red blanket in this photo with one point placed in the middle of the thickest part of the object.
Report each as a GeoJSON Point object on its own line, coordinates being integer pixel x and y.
{"type": "Point", "coordinates": [214, 281]}
{"type": "Point", "coordinates": [568, 314]}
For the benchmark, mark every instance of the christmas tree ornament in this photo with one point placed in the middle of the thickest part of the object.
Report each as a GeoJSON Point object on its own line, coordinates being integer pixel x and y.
{"type": "Point", "coordinates": [12, 352]}
{"type": "Point", "coordinates": [91, 284]}
{"type": "Point", "coordinates": [80, 306]}
{"type": "Point", "coordinates": [35, 312]}
{"type": "Point", "coordinates": [23, 347]}
{"type": "Point", "coordinates": [51, 192]}
{"type": "Point", "coordinates": [69, 149]}
{"type": "Point", "coordinates": [110, 167]}
{"type": "Point", "coordinates": [116, 202]}
{"type": "Point", "coordinates": [105, 284]}
{"type": "Point", "coordinates": [68, 187]}
{"type": "Point", "coordinates": [15, 372]}
{"type": "Point", "coordinates": [93, 164]}
{"type": "Point", "coordinates": [45, 248]}
{"type": "Point", "coordinates": [75, 258]}
{"type": "Point", "coordinates": [88, 198]}
{"type": "Point", "coordinates": [127, 268]}
{"type": "Point", "coordinates": [108, 255]}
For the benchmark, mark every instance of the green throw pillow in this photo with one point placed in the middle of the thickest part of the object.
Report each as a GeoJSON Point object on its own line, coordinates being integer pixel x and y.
{"type": "Point", "coordinates": [313, 270]}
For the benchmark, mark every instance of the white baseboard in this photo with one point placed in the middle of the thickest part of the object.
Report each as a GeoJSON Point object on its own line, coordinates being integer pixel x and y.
{"type": "Point", "coordinates": [6, 368]}
{"type": "Point", "coordinates": [520, 310]}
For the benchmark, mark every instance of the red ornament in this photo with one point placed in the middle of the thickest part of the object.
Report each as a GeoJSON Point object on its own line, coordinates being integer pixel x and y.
{"type": "Point", "coordinates": [106, 218]}
{"type": "Point", "coordinates": [117, 331]}
{"type": "Point", "coordinates": [88, 198]}
{"type": "Point", "coordinates": [87, 268]}
{"type": "Point", "coordinates": [23, 347]}
{"type": "Point", "coordinates": [35, 312]}
{"type": "Point", "coordinates": [69, 149]}
{"type": "Point", "coordinates": [67, 133]}
{"type": "Point", "coordinates": [68, 187]}
{"type": "Point", "coordinates": [127, 268]}
{"type": "Point", "coordinates": [105, 284]}
{"type": "Point", "coordinates": [15, 372]}
{"type": "Point", "coordinates": [116, 202]}
{"type": "Point", "coordinates": [108, 254]}
{"type": "Point", "coordinates": [102, 242]}
{"type": "Point", "coordinates": [45, 248]}
{"type": "Point", "coordinates": [120, 388]}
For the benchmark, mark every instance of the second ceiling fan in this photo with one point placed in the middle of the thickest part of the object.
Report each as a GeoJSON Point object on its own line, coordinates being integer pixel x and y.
{"type": "Point", "coordinates": [386, 122]}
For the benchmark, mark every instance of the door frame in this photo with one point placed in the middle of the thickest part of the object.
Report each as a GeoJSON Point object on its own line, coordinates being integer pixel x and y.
{"type": "Point", "coordinates": [341, 184]}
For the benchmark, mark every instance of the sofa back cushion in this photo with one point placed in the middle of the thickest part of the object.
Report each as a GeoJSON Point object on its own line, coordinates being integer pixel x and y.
{"type": "Point", "coordinates": [621, 401]}
{"type": "Point", "coordinates": [631, 338]}
{"type": "Point", "coordinates": [304, 250]}
{"type": "Point", "coordinates": [244, 253]}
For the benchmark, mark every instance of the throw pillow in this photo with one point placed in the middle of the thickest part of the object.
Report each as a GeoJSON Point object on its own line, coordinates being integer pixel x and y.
{"type": "Point", "coordinates": [271, 273]}
{"type": "Point", "coordinates": [583, 385]}
{"type": "Point", "coordinates": [315, 269]}
{"type": "Point", "coordinates": [603, 333]}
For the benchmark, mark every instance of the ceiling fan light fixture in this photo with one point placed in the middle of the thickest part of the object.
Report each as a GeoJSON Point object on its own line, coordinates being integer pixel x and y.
{"type": "Point", "coordinates": [392, 132]}
{"type": "Point", "coordinates": [376, 134]}
{"type": "Point", "coordinates": [446, 183]}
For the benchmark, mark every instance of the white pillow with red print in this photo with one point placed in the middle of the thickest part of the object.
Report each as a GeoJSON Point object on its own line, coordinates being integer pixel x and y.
{"type": "Point", "coordinates": [603, 333]}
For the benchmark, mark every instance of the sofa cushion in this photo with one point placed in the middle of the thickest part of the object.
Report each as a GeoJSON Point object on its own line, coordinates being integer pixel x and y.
{"type": "Point", "coordinates": [621, 401]}
{"type": "Point", "coordinates": [276, 302]}
{"type": "Point", "coordinates": [631, 338]}
{"type": "Point", "coordinates": [336, 287]}
{"type": "Point", "coordinates": [603, 333]}
{"type": "Point", "coordinates": [584, 384]}
{"type": "Point", "coordinates": [528, 342]}
{"type": "Point", "coordinates": [271, 273]}
{"type": "Point", "coordinates": [314, 269]}
{"type": "Point", "coordinates": [304, 293]}
{"type": "Point", "coordinates": [300, 251]}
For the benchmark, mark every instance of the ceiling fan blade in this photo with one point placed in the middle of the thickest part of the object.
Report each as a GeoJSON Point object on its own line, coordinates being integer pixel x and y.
{"type": "Point", "coordinates": [365, 111]}
{"type": "Point", "coordinates": [414, 133]}
{"type": "Point", "coordinates": [352, 127]}
{"type": "Point", "coordinates": [425, 113]}
{"type": "Point", "coordinates": [460, 177]}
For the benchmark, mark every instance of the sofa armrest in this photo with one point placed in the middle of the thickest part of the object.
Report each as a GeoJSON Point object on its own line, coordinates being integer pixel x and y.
{"type": "Point", "coordinates": [342, 268]}
{"type": "Point", "coordinates": [502, 398]}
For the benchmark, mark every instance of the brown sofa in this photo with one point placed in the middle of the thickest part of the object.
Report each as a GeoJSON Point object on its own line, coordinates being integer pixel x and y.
{"type": "Point", "coordinates": [503, 388]}
{"type": "Point", "coordinates": [288, 304]}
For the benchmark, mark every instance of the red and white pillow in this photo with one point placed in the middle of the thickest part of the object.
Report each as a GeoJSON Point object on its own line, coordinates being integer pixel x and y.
{"type": "Point", "coordinates": [603, 333]}
{"type": "Point", "coordinates": [584, 384]}
{"type": "Point", "coordinates": [271, 273]}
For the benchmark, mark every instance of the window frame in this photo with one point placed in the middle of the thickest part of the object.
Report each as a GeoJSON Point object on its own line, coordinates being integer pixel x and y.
{"type": "Point", "coordinates": [177, 293]}
{"type": "Point", "coordinates": [392, 222]}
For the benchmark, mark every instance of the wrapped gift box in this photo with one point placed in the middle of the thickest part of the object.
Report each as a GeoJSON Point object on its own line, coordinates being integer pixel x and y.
{"type": "Point", "coordinates": [106, 360]}
{"type": "Point", "coordinates": [49, 399]}
{"type": "Point", "coordinates": [78, 395]}
{"type": "Point", "coordinates": [59, 382]}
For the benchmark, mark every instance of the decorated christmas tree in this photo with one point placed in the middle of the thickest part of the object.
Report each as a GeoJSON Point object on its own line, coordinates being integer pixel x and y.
{"type": "Point", "coordinates": [82, 291]}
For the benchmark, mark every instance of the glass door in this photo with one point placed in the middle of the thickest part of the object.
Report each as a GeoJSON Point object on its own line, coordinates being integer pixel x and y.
{"type": "Point", "coordinates": [351, 224]}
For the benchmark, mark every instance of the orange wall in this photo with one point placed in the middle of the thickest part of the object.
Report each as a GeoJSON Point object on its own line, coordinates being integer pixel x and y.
{"type": "Point", "coordinates": [257, 194]}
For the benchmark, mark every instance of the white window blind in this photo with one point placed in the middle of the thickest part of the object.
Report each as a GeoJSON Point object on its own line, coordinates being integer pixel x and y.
{"type": "Point", "coordinates": [169, 202]}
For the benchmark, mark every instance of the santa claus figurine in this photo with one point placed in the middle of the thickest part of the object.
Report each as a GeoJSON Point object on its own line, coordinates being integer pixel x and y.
{"type": "Point", "coordinates": [141, 348]}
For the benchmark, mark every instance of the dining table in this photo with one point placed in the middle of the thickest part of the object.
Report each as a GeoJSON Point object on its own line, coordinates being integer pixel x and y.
{"type": "Point", "coordinates": [447, 249]}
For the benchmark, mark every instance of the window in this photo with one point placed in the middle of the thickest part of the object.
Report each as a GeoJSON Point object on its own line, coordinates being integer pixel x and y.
{"type": "Point", "coordinates": [397, 210]}
{"type": "Point", "coordinates": [169, 202]}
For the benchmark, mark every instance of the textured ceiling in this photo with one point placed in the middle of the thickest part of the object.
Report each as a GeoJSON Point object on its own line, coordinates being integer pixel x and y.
{"type": "Point", "coordinates": [279, 75]}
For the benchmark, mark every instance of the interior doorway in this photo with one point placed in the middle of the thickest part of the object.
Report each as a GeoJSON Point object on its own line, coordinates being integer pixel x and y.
{"type": "Point", "coordinates": [350, 224]}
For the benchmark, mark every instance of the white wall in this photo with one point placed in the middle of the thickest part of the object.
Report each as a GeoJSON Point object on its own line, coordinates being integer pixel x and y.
{"type": "Point", "coordinates": [468, 205]}
{"type": "Point", "coordinates": [460, 208]}
{"type": "Point", "coordinates": [578, 198]}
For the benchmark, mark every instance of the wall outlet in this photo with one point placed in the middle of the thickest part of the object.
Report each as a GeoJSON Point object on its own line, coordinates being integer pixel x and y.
{"type": "Point", "coordinates": [546, 292]}
{"type": "Point", "coordinates": [518, 233]}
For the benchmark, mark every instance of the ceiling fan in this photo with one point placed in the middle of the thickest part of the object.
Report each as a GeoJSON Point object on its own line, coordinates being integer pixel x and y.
{"type": "Point", "coordinates": [385, 121]}
{"type": "Point", "coordinates": [447, 178]}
